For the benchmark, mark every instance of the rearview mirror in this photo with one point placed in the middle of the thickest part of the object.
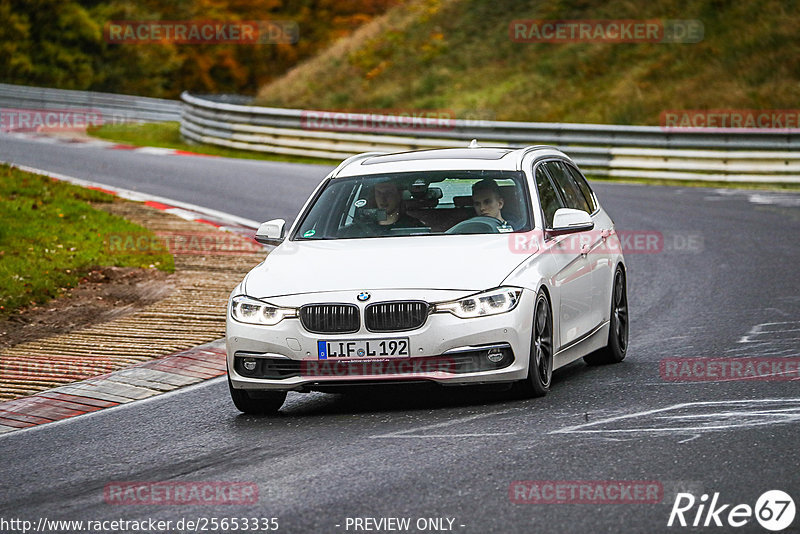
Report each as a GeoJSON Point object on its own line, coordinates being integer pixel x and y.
{"type": "Point", "coordinates": [569, 221]}
{"type": "Point", "coordinates": [271, 232]}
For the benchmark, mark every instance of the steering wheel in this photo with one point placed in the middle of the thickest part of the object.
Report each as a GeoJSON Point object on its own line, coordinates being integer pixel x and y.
{"type": "Point", "coordinates": [476, 225]}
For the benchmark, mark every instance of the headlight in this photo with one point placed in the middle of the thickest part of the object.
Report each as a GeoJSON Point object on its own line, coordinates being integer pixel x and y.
{"type": "Point", "coordinates": [492, 302]}
{"type": "Point", "coordinates": [252, 311]}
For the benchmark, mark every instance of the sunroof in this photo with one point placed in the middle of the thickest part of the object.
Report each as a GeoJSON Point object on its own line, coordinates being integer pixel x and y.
{"type": "Point", "coordinates": [448, 153]}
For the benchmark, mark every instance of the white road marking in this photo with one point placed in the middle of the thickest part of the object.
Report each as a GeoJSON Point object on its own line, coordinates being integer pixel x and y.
{"type": "Point", "coordinates": [758, 330]}
{"type": "Point", "coordinates": [788, 200]}
{"type": "Point", "coordinates": [787, 411]}
{"type": "Point", "coordinates": [155, 150]}
{"type": "Point", "coordinates": [183, 214]}
{"type": "Point", "coordinates": [142, 197]}
{"type": "Point", "coordinates": [113, 409]}
{"type": "Point", "coordinates": [407, 433]}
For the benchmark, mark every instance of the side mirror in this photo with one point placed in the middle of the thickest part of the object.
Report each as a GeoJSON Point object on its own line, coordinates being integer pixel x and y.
{"type": "Point", "coordinates": [569, 221]}
{"type": "Point", "coordinates": [271, 232]}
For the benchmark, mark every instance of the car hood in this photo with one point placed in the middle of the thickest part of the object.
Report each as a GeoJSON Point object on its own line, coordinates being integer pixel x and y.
{"type": "Point", "coordinates": [463, 262]}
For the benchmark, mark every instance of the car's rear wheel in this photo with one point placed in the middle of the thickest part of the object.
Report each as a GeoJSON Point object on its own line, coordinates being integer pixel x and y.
{"type": "Point", "coordinates": [617, 346]}
{"type": "Point", "coordinates": [540, 365]}
{"type": "Point", "coordinates": [257, 402]}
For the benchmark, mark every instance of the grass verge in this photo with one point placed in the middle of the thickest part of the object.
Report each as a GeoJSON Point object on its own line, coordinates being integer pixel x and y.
{"type": "Point", "coordinates": [168, 135]}
{"type": "Point", "coordinates": [50, 237]}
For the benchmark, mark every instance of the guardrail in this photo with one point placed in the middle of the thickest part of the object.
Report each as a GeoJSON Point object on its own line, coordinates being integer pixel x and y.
{"type": "Point", "coordinates": [113, 108]}
{"type": "Point", "coordinates": [603, 150]}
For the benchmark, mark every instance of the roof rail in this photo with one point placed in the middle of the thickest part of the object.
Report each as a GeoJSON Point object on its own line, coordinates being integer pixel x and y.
{"type": "Point", "coordinates": [353, 159]}
{"type": "Point", "coordinates": [525, 151]}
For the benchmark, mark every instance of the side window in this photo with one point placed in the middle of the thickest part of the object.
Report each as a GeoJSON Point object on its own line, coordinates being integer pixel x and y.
{"type": "Point", "coordinates": [572, 194]}
{"type": "Point", "coordinates": [548, 197]}
{"type": "Point", "coordinates": [584, 187]}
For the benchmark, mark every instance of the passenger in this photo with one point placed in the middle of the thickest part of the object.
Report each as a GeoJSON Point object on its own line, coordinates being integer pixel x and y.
{"type": "Point", "coordinates": [488, 202]}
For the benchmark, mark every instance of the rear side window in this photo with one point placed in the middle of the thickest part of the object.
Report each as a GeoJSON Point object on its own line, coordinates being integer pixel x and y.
{"type": "Point", "coordinates": [548, 197]}
{"type": "Point", "coordinates": [567, 186]}
{"type": "Point", "coordinates": [584, 187]}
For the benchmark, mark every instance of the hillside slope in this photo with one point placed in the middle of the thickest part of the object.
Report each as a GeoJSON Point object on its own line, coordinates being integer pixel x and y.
{"type": "Point", "coordinates": [457, 55]}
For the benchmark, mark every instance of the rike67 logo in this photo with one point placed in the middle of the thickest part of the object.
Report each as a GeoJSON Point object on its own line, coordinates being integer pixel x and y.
{"type": "Point", "coordinates": [774, 510]}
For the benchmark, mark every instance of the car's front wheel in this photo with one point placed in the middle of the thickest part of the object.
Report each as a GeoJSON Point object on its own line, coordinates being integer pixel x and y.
{"type": "Point", "coordinates": [617, 346]}
{"type": "Point", "coordinates": [540, 366]}
{"type": "Point", "coordinates": [259, 402]}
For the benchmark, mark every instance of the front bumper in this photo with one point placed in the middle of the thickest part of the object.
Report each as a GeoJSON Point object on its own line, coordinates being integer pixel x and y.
{"type": "Point", "coordinates": [446, 349]}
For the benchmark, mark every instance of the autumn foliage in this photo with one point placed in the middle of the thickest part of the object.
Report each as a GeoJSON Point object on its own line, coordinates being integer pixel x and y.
{"type": "Point", "coordinates": [60, 43]}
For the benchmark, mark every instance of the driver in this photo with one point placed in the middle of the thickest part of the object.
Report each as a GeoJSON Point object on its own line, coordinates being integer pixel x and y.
{"type": "Point", "coordinates": [389, 198]}
{"type": "Point", "coordinates": [488, 201]}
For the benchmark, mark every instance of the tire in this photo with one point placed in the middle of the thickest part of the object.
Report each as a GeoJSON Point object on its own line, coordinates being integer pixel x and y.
{"type": "Point", "coordinates": [617, 347]}
{"type": "Point", "coordinates": [540, 364]}
{"type": "Point", "coordinates": [261, 403]}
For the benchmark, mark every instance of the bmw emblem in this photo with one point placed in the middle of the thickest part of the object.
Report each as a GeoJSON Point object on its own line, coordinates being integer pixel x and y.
{"type": "Point", "coordinates": [363, 296]}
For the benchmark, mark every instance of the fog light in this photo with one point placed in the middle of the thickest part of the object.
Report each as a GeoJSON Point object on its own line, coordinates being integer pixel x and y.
{"type": "Point", "coordinates": [495, 355]}
{"type": "Point", "coordinates": [249, 364]}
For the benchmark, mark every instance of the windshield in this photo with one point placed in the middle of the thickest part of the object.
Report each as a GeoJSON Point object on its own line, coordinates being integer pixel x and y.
{"type": "Point", "coordinates": [418, 203]}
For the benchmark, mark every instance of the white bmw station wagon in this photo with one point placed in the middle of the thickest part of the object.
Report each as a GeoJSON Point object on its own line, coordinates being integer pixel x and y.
{"type": "Point", "coordinates": [453, 266]}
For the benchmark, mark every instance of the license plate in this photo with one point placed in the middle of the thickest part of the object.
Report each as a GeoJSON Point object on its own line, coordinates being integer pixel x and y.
{"type": "Point", "coordinates": [364, 348]}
